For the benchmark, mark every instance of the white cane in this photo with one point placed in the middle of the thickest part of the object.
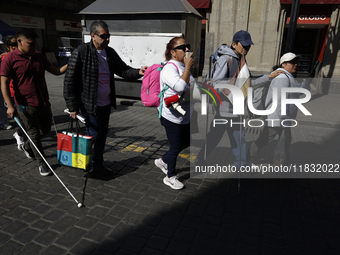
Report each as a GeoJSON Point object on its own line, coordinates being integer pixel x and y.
{"type": "Point", "coordinates": [19, 124]}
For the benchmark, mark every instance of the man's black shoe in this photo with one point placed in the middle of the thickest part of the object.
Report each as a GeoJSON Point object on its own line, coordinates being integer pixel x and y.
{"type": "Point", "coordinates": [102, 169]}
{"type": "Point", "coordinates": [43, 169]}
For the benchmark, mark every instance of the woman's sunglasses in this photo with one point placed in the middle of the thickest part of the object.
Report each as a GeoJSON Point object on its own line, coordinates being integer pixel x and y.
{"type": "Point", "coordinates": [13, 44]}
{"type": "Point", "coordinates": [104, 36]}
{"type": "Point", "coordinates": [293, 62]}
{"type": "Point", "coordinates": [182, 47]}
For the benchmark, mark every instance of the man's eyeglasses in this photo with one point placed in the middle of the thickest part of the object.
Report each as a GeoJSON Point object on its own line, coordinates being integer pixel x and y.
{"type": "Point", "coordinates": [13, 44]}
{"type": "Point", "coordinates": [104, 36]}
{"type": "Point", "coordinates": [182, 47]}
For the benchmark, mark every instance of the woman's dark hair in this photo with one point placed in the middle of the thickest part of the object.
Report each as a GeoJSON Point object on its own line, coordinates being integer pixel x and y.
{"type": "Point", "coordinates": [276, 67]}
{"type": "Point", "coordinates": [170, 46]}
{"type": "Point", "coordinates": [8, 40]}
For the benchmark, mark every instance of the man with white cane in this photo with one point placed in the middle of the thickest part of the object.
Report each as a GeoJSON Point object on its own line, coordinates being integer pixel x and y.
{"type": "Point", "coordinates": [89, 87]}
{"type": "Point", "coordinates": [26, 68]}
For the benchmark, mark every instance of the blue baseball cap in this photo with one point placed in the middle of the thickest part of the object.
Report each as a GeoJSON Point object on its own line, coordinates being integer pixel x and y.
{"type": "Point", "coordinates": [243, 37]}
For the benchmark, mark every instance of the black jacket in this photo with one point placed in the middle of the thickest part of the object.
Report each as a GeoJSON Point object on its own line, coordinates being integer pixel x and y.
{"type": "Point", "coordinates": [81, 78]}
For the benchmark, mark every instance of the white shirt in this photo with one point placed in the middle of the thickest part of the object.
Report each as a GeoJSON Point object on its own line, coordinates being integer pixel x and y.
{"type": "Point", "coordinates": [171, 77]}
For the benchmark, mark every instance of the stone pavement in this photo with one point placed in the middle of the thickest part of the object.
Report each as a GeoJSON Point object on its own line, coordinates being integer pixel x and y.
{"type": "Point", "coordinates": [133, 212]}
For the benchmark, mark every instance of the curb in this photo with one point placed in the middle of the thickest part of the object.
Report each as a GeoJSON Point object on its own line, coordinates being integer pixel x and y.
{"type": "Point", "coordinates": [130, 102]}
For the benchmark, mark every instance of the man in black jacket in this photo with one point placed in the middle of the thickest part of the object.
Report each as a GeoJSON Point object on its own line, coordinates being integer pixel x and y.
{"type": "Point", "coordinates": [89, 86]}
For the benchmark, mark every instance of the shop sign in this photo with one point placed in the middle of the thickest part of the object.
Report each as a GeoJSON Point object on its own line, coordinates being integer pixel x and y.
{"type": "Point", "coordinates": [312, 19]}
{"type": "Point", "coordinates": [65, 25]}
{"type": "Point", "coordinates": [15, 20]}
{"type": "Point", "coordinates": [313, 15]}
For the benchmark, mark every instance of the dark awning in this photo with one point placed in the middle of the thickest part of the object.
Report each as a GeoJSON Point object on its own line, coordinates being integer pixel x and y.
{"type": "Point", "coordinates": [200, 4]}
{"type": "Point", "coordinates": [312, 1]}
{"type": "Point", "coordinates": [139, 7]}
{"type": "Point", "coordinates": [6, 29]}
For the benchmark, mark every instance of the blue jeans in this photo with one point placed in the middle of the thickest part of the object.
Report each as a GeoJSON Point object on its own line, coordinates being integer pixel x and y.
{"type": "Point", "coordinates": [97, 126]}
{"type": "Point", "coordinates": [215, 135]}
{"type": "Point", "coordinates": [179, 139]}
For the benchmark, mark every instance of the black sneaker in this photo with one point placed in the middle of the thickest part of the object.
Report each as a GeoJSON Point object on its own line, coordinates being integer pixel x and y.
{"type": "Point", "coordinates": [102, 169]}
{"type": "Point", "coordinates": [28, 153]}
{"type": "Point", "coordinates": [43, 169]}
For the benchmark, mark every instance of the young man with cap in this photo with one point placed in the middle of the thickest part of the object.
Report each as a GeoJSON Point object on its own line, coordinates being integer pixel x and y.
{"type": "Point", "coordinates": [288, 66]}
{"type": "Point", "coordinates": [224, 69]}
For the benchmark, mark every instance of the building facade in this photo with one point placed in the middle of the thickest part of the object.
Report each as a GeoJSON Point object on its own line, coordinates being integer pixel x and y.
{"type": "Point", "coordinates": [56, 22]}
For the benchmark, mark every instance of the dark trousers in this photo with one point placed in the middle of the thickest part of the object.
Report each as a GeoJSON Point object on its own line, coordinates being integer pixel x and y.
{"type": "Point", "coordinates": [267, 135]}
{"type": "Point", "coordinates": [37, 122]}
{"type": "Point", "coordinates": [179, 139]}
{"type": "Point", "coordinates": [236, 136]}
{"type": "Point", "coordinates": [97, 126]}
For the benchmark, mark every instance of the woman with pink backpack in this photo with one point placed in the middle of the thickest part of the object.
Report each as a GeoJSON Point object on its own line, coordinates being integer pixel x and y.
{"type": "Point", "coordinates": [177, 77]}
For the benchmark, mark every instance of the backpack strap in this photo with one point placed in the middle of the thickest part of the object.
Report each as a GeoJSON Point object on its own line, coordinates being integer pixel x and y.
{"type": "Point", "coordinates": [161, 95]}
{"type": "Point", "coordinates": [173, 64]}
{"type": "Point", "coordinates": [229, 61]}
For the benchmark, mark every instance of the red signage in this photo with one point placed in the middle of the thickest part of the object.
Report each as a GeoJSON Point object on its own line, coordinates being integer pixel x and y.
{"type": "Point", "coordinates": [200, 4]}
{"type": "Point", "coordinates": [312, 1]}
{"type": "Point", "coordinates": [311, 14]}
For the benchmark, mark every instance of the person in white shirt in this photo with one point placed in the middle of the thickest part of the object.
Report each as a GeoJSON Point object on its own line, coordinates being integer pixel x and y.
{"type": "Point", "coordinates": [177, 126]}
{"type": "Point", "coordinates": [288, 65]}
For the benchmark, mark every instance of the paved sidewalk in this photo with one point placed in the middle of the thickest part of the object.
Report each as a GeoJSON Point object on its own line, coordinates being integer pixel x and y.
{"type": "Point", "coordinates": [133, 212]}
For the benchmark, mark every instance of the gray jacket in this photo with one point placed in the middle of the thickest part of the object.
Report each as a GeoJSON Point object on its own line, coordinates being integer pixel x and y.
{"type": "Point", "coordinates": [281, 81]}
{"type": "Point", "coordinates": [222, 73]}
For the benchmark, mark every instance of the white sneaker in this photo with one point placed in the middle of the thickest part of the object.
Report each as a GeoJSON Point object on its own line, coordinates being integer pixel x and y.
{"type": "Point", "coordinates": [5, 126]}
{"type": "Point", "coordinates": [173, 182]}
{"type": "Point", "coordinates": [28, 154]}
{"type": "Point", "coordinates": [20, 140]}
{"type": "Point", "coordinates": [163, 166]}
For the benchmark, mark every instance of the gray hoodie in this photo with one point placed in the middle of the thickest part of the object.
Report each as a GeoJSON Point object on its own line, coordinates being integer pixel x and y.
{"type": "Point", "coordinates": [222, 73]}
{"type": "Point", "coordinates": [281, 81]}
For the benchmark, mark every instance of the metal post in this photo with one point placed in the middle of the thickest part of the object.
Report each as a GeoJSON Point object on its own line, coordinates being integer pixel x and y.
{"type": "Point", "coordinates": [294, 13]}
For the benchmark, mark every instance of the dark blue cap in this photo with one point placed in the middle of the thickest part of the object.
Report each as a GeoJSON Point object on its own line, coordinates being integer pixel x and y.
{"type": "Point", "coordinates": [243, 37]}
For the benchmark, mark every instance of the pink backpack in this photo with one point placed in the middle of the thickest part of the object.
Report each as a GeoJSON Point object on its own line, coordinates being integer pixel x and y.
{"type": "Point", "coordinates": [151, 90]}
